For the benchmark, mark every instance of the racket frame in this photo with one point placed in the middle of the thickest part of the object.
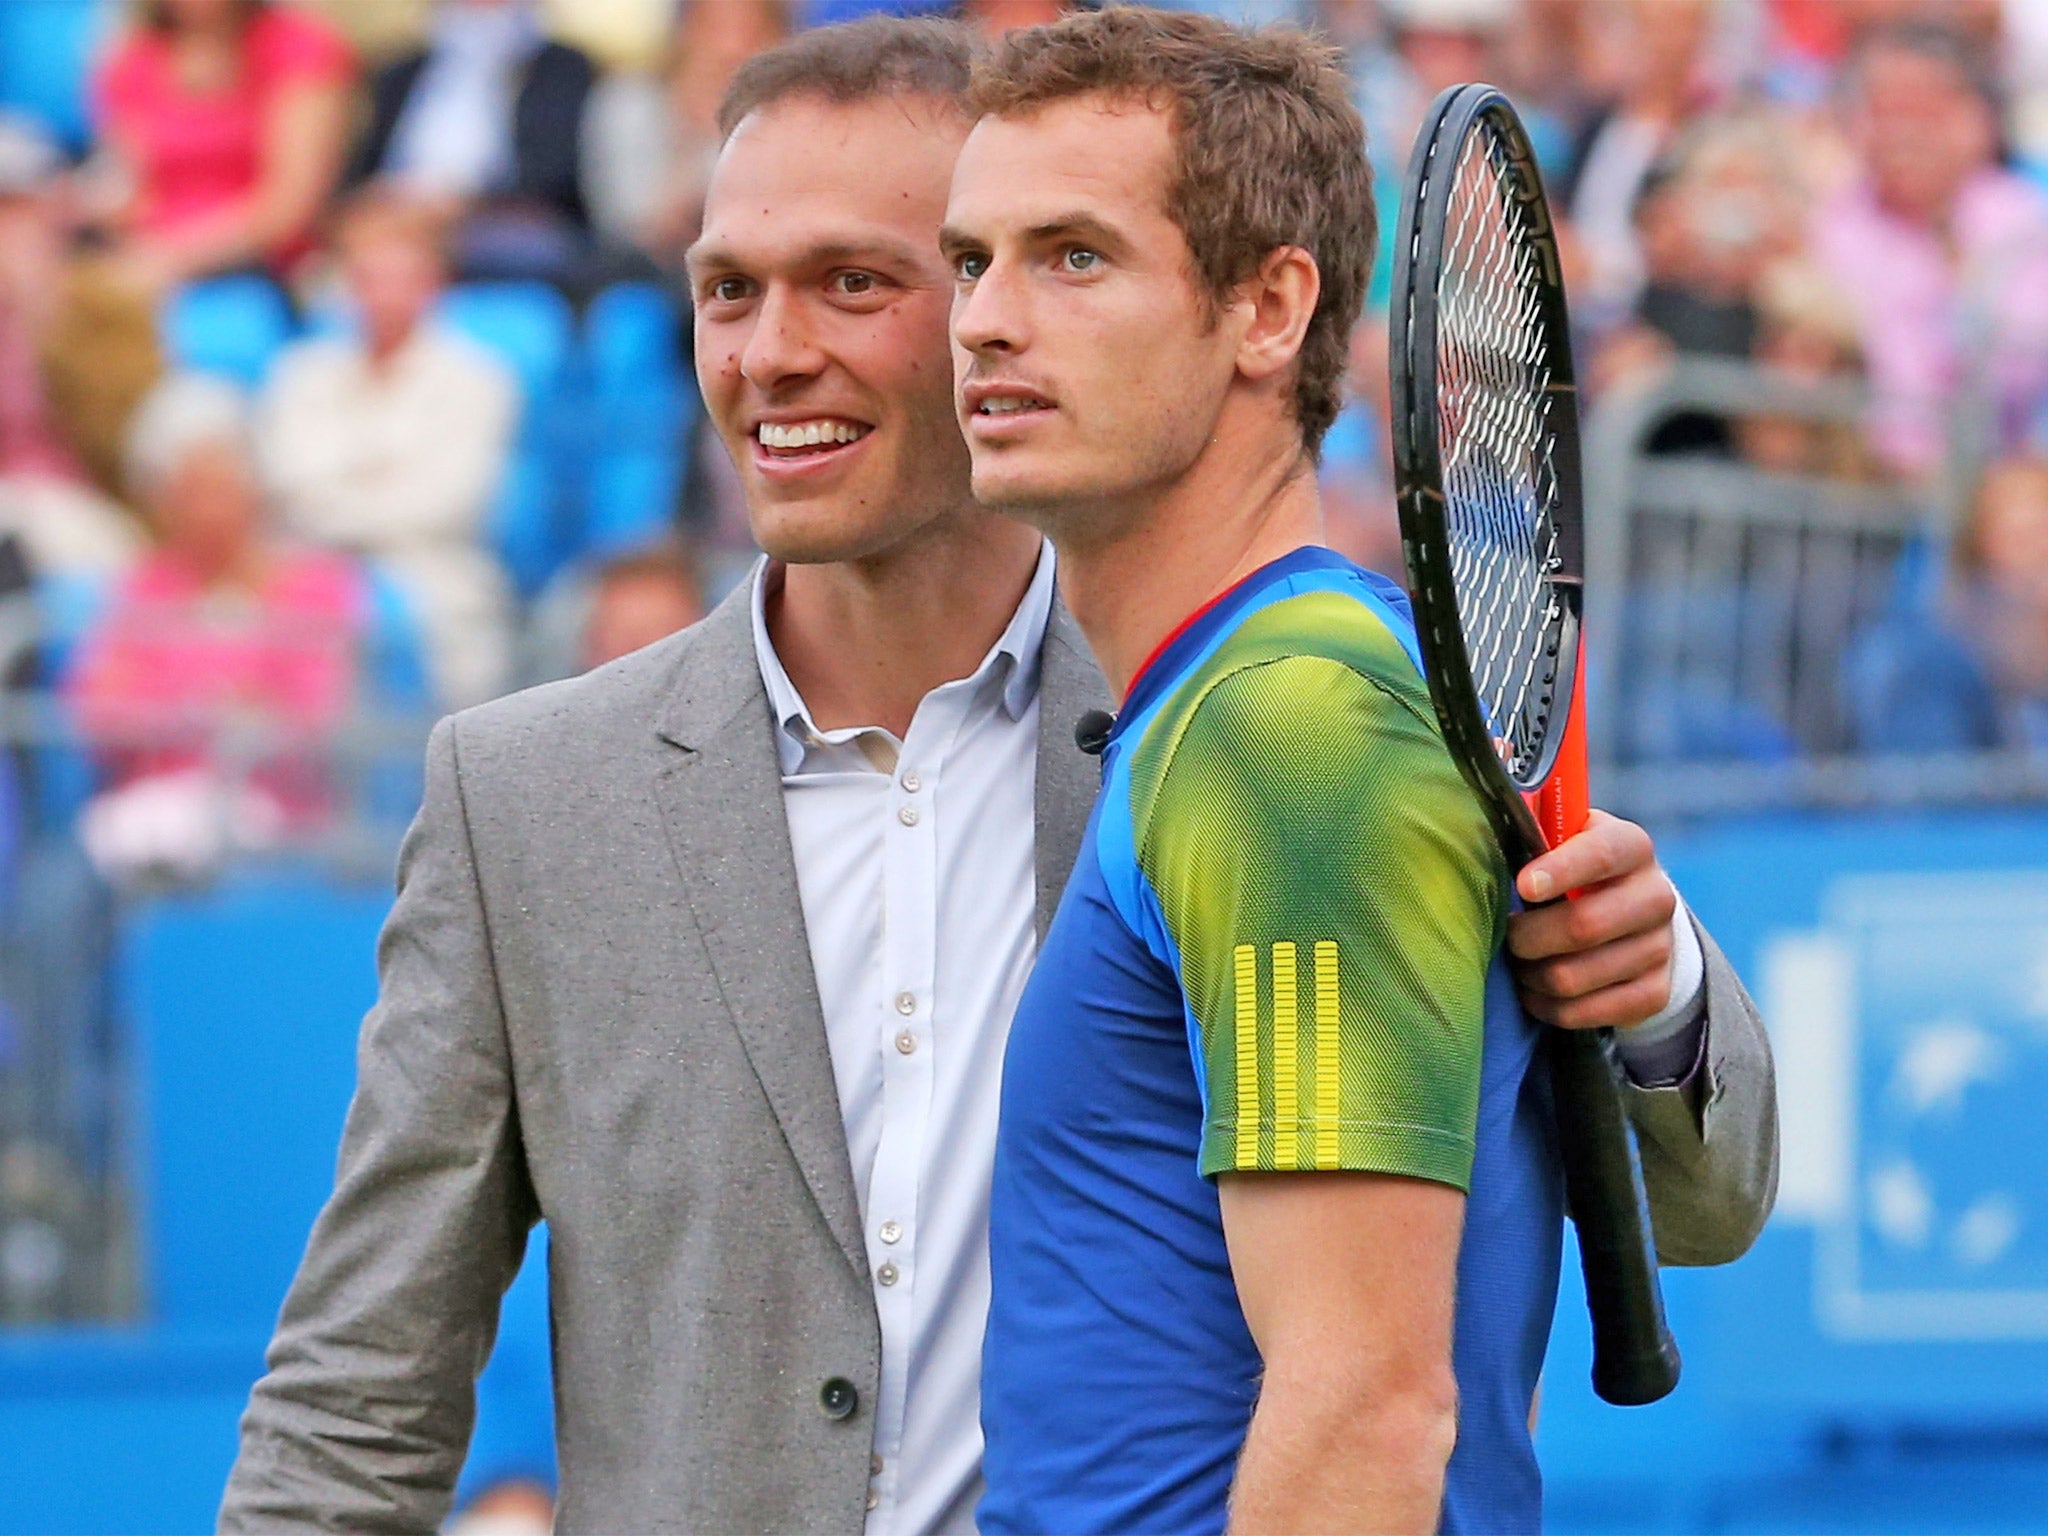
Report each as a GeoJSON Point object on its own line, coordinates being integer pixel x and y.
{"type": "Point", "coordinates": [1635, 1358]}
{"type": "Point", "coordinates": [1419, 471]}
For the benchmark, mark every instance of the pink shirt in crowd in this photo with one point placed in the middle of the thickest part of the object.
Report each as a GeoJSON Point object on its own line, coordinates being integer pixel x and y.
{"type": "Point", "coordinates": [197, 154]}
{"type": "Point", "coordinates": [1928, 308]}
{"type": "Point", "coordinates": [174, 665]}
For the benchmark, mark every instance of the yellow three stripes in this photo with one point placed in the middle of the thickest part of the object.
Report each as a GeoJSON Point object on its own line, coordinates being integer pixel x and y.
{"type": "Point", "coordinates": [1247, 960]}
{"type": "Point", "coordinates": [1287, 1116]}
{"type": "Point", "coordinates": [1286, 1082]}
{"type": "Point", "coordinates": [1326, 1054]}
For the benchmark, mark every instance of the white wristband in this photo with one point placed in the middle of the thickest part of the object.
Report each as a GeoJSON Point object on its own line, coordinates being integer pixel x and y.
{"type": "Point", "coordinates": [1662, 1047]}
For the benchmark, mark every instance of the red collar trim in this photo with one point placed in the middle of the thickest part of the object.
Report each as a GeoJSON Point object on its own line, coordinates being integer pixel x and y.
{"type": "Point", "coordinates": [1178, 630]}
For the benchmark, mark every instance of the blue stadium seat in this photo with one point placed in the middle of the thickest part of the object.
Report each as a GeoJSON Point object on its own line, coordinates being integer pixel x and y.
{"type": "Point", "coordinates": [642, 405]}
{"type": "Point", "coordinates": [631, 334]}
{"type": "Point", "coordinates": [68, 606]}
{"type": "Point", "coordinates": [46, 49]}
{"type": "Point", "coordinates": [233, 326]}
{"type": "Point", "coordinates": [394, 662]}
{"type": "Point", "coordinates": [529, 327]}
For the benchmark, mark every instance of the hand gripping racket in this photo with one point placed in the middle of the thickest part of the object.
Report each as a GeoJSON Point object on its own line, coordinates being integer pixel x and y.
{"type": "Point", "coordinates": [1486, 459]}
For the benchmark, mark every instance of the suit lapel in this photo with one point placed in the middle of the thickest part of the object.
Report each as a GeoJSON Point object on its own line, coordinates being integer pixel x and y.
{"type": "Point", "coordinates": [721, 801]}
{"type": "Point", "coordinates": [1069, 686]}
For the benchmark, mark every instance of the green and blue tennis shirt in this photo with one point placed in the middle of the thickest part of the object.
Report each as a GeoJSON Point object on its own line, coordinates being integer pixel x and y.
{"type": "Point", "coordinates": [1280, 950]}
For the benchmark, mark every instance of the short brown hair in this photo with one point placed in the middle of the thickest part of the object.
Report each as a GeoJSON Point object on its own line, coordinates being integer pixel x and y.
{"type": "Point", "coordinates": [856, 61]}
{"type": "Point", "coordinates": [666, 559]}
{"type": "Point", "coordinates": [385, 209]}
{"type": "Point", "coordinates": [1269, 152]}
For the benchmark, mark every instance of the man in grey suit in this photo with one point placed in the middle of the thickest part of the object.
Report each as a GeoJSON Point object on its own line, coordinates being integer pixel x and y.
{"type": "Point", "coordinates": [706, 957]}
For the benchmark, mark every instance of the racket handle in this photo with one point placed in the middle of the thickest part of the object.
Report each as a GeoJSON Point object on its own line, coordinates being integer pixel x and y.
{"type": "Point", "coordinates": [1635, 1358]}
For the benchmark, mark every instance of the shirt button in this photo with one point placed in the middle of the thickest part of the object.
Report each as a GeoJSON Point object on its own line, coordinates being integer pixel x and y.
{"type": "Point", "coordinates": [891, 1232]}
{"type": "Point", "coordinates": [912, 783]}
{"type": "Point", "coordinates": [875, 1464]}
{"type": "Point", "coordinates": [908, 815]}
{"type": "Point", "coordinates": [874, 1499]}
{"type": "Point", "coordinates": [906, 1002]}
{"type": "Point", "coordinates": [906, 1042]}
{"type": "Point", "coordinates": [887, 1274]}
{"type": "Point", "coordinates": [838, 1398]}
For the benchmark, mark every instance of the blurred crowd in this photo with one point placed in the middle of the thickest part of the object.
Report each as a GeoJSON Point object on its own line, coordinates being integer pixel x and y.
{"type": "Point", "coordinates": [344, 364]}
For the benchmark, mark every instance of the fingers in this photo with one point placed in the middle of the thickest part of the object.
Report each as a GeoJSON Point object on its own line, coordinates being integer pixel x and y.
{"type": "Point", "coordinates": [1589, 971]}
{"type": "Point", "coordinates": [1639, 902]}
{"type": "Point", "coordinates": [1617, 1007]}
{"type": "Point", "coordinates": [1607, 849]}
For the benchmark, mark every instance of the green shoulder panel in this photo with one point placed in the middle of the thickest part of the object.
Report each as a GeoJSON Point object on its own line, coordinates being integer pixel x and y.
{"type": "Point", "coordinates": [1333, 891]}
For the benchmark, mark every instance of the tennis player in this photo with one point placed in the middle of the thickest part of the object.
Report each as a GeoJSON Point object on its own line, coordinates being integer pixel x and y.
{"type": "Point", "coordinates": [1277, 1214]}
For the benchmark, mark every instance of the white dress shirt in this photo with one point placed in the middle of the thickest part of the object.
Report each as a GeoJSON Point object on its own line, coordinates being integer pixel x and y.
{"type": "Point", "coordinates": [915, 862]}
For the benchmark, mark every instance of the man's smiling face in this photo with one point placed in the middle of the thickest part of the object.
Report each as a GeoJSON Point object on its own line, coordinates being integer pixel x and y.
{"type": "Point", "coordinates": [821, 309]}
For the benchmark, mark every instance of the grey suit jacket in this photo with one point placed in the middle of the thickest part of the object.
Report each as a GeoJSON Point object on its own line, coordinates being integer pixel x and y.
{"type": "Point", "coordinates": [596, 1005]}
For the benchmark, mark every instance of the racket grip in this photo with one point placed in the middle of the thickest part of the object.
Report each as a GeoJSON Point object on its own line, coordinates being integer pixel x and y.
{"type": "Point", "coordinates": [1635, 1358]}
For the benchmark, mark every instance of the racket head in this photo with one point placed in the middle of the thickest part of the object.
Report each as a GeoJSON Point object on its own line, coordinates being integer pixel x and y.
{"type": "Point", "coordinates": [1486, 453]}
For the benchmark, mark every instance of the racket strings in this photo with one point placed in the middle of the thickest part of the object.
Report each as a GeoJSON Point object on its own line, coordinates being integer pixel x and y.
{"type": "Point", "coordinates": [1494, 379]}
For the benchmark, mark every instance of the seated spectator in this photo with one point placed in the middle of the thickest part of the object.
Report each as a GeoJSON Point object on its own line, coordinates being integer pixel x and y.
{"type": "Point", "coordinates": [47, 500]}
{"type": "Point", "coordinates": [226, 659]}
{"type": "Point", "coordinates": [228, 121]}
{"type": "Point", "coordinates": [2000, 597]}
{"type": "Point", "coordinates": [389, 442]}
{"type": "Point", "coordinates": [1944, 252]}
{"type": "Point", "coordinates": [1709, 221]}
{"type": "Point", "coordinates": [488, 119]}
{"type": "Point", "coordinates": [1659, 49]}
{"type": "Point", "coordinates": [1969, 670]}
{"type": "Point", "coordinates": [639, 598]}
{"type": "Point", "coordinates": [1806, 333]}
{"type": "Point", "coordinates": [652, 140]}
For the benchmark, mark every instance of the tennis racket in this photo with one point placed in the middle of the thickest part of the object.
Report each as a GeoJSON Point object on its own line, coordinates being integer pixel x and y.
{"type": "Point", "coordinates": [1486, 459]}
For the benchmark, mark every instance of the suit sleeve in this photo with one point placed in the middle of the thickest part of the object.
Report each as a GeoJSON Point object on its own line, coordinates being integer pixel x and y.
{"type": "Point", "coordinates": [362, 1419]}
{"type": "Point", "coordinates": [1333, 900]}
{"type": "Point", "coordinates": [1710, 1144]}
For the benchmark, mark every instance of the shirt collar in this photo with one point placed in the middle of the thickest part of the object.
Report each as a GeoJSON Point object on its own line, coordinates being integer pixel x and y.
{"type": "Point", "coordinates": [1014, 657]}
{"type": "Point", "coordinates": [1188, 639]}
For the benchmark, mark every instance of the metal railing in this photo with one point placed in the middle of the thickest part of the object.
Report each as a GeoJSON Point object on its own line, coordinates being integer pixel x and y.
{"type": "Point", "coordinates": [1724, 602]}
{"type": "Point", "coordinates": [67, 1228]}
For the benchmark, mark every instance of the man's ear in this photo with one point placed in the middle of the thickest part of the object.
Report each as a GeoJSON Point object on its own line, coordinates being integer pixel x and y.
{"type": "Point", "coordinates": [1281, 300]}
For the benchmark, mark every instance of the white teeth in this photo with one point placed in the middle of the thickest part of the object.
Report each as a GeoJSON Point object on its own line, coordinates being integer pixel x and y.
{"type": "Point", "coordinates": [808, 434]}
{"type": "Point", "coordinates": [1005, 405]}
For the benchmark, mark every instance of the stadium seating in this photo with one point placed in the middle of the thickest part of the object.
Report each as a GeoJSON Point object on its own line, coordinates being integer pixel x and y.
{"type": "Point", "coordinates": [641, 408]}
{"type": "Point", "coordinates": [598, 463]}
{"type": "Point", "coordinates": [45, 50]}
{"type": "Point", "coordinates": [530, 327]}
{"type": "Point", "coordinates": [232, 326]}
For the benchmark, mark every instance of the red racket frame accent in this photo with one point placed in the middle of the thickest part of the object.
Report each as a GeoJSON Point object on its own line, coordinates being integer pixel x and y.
{"type": "Point", "coordinates": [1565, 800]}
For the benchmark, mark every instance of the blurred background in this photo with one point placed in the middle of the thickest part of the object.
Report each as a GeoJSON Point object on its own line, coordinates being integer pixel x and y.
{"type": "Point", "coordinates": [345, 380]}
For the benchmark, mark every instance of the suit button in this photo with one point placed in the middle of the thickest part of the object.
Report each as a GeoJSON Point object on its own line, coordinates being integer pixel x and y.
{"type": "Point", "coordinates": [838, 1398]}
